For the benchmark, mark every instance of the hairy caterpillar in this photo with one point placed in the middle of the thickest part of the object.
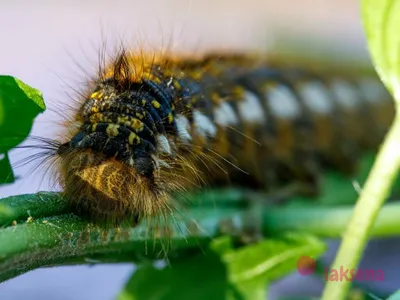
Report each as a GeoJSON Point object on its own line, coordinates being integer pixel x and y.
{"type": "Point", "coordinates": [151, 126]}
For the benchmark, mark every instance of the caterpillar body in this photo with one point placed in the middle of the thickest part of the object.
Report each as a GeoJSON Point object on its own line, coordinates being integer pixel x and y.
{"type": "Point", "coordinates": [153, 126]}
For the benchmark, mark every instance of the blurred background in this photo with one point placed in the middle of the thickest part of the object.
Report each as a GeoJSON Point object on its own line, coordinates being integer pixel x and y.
{"type": "Point", "coordinates": [50, 45]}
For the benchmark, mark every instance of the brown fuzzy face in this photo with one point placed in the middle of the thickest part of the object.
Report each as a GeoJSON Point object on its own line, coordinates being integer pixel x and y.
{"type": "Point", "coordinates": [109, 166]}
{"type": "Point", "coordinates": [108, 189]}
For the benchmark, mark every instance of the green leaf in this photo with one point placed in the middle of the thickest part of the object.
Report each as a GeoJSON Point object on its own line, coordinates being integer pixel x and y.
{"type": "Point", "coordinates": [223, 272]}
{"type": "Point", "coordinates": [202, 276]}
{"type": "Point", "coordinates": [381, 20]}
{"type": "Point", "coordinates": [272, 258]}
{"type": "Point", "coordinates": [19, 105]}
{"type": "Point", "coordinates": [395, 296]}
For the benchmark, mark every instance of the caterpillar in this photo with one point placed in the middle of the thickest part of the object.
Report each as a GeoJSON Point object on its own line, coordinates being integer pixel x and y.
{"type": "Point", "coordinates": [150, 126]}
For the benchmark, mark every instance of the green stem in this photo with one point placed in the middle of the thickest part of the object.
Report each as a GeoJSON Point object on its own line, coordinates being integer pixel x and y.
{"type": "Point", "coordinates": [372, 197]}
{"type": "Point", "coordinates": [329, 222]}
{"type": "Point", "coordinates": [21, 207]}
{"type": "Point", "coordinates": [67, 239]}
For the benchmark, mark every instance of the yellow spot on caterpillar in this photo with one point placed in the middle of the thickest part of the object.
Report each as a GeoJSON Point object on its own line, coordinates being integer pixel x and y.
{"type": "Point", "coordinates": [238, 91]}
{"type": "Point", "coordinates": [155, 104]}
{"type": "Point", "coordinates": [94, 126]}
{"type": "Point", "coordinates": [122, 120]}
{"type": "Point", "coordinates": [137, 125]}
{"type": "Point", "coordinates": [156, 80]}
{"type": "Point", "coordinates": [131, 122]}
{"type": "Point", "coordinates": [112, 130]}
{"type": "Point", "coordinates": [194, 99]}
{"type": "Point", "coordinates": [196, 75]}
{"type": "Point", "coordinates": [139, 115]}
{"type": "Point", "coordinates": [170, 118]}
{"type": "Point", "coordinates": [96, 118]}
{"type": "Point", "coordinates": [96, 95]}
{"type": "Point", "coordinates": [176, 84]}
{"type": "Point", "coordinates": [133, 139]}
{"type": "Point", "coordinates": [95, 109]}
{"type": "Point", "coordinates": [216, 98]}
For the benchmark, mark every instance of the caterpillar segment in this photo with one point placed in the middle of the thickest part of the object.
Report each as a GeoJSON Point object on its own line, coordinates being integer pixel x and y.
{"type": "Point", "coordinates": [153, 127]}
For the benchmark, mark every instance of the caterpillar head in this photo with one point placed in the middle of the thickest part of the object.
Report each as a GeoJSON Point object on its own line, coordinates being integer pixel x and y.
{"type": "Point", "coordinates": [109, 167]}
{"type": "Point", "coordinates": [105, 188]}
{"type": "Point", "coordinates": [123, 162]}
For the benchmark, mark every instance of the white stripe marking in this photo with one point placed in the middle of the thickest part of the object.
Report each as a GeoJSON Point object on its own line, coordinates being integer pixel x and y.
{"type": "Point", "coordinates": [203, 124]}
{"type": "Point", "coordinates": [250, 109]}
{"type": "Point", "coordinates": [224, 115]}
{"type": "Point", "coordinates": [345, 93]}
{"type": "Point", "coordinates": [316, 98]}
{"type": "Point", "coordinates": [163, 144]}
{"type": "Point", "coordinates": [183, 126]}
{"type": "Point", "coordinates": [373, 90]}
{"type": "Point", "coordinates": [160, 163]}
{"type": "Point", "coordinates": [283, 102]}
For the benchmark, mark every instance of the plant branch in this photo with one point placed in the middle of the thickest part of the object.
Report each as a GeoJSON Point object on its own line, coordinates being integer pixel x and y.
{"type": "Point", "coordinates": [328, 221]}
{"type": "Point", "coordinates": [372, 197]}
{"type": "Point", "coordinates": [65, 239]}
{"type": "Point", "coordinates": [21, 207]}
